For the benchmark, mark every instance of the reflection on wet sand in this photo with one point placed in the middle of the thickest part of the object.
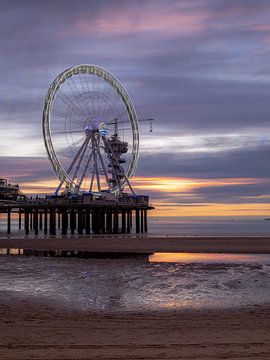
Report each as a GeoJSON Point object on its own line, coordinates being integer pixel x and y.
{"type": "Point", "coordinates": [134, 284]}
{"type": "Point", "coordinates": [208, 258]}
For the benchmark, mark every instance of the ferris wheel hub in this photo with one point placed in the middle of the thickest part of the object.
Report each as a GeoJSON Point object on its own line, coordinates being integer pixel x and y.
{"type": "Point", "coordinates": [88, 129]}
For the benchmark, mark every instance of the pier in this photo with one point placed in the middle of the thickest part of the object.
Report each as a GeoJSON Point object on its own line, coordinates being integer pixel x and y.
{"type": "Point", "coordinates": [79, 216]}
{"type": "Point", "coordinates": [94, 154]}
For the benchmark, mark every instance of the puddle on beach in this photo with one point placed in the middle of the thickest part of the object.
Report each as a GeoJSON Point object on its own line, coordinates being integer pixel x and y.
{"type": "Point", "coordinates": [209, 258]}
{"type": "Point", "coordinates": [113, 285]}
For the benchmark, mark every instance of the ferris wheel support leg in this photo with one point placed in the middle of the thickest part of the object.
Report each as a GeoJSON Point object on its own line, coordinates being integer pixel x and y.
{"type": "Point", "coordinates": [72, 164]}
{"type": "Point", "coordinates": [58, 188]}
{"type": "Point", "coordinates": [85, 169]}
{"type": "Point", "coordinates": [132, 191]}
{"type": "Point", "coordinates": [80, 161]}
{"type": "Point", "coordinates": [92, 181]}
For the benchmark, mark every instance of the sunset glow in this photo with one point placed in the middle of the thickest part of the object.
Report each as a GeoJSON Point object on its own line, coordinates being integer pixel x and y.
{"type": "Point", "coordinates": [199, 69]}
{"type": "Point", "coordinates": [188, 203]}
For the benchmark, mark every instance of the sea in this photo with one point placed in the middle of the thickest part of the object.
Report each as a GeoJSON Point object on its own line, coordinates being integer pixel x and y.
{"type": "Point", "coordinates": [215, 226]}
{"type": "Point", "coordinates": [186, 226]}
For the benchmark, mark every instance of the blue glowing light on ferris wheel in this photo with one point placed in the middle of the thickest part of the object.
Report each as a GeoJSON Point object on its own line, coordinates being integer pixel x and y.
{"type": "Point", "coordinates": [103, 129]}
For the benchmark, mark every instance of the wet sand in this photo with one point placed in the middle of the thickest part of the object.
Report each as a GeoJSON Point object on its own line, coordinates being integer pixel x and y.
{"type": "Point", "coordinates": [143, 244]}
{"type": "Point", "coordinates": [38, 330]}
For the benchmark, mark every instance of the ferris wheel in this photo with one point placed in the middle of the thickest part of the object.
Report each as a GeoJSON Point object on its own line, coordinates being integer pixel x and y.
{"type": "Point", "coordinates": [90, 130]}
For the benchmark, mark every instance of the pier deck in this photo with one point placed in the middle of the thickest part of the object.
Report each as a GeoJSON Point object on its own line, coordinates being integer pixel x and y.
{"type": "Point", "coordinates": [78, 216]}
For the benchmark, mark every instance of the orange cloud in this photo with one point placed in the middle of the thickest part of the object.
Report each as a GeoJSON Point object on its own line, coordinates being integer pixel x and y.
{"type": "Point", "coordinates": [205, 209]}
{"type": "Point", "coordinates": [182, 185]}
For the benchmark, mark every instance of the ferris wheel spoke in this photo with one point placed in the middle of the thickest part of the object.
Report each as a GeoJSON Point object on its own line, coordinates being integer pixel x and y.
{"type": "Point", "coordinates": [83, 81]}
{"type": "Point", "coordinates": [98, 98]}
{"type": "Point", "coordinates": [108, 108]}
{"type": "Point", "coordinates": [92, 181]}
{"type": "Point", "coordinates": [78, 122]}
{"type": "Point", "coordinates": [77, 155]}
{"type": "Point", "coordinates": [68, 132]}
{"type": "Point", "coordinates": [109, 104]}
{"type": "Point", "coordinates": [77, 142]}
{"type": "Point", "coordinates": [89, 91]}
{"type": "Point", "coordinates": [66, 100]}
{"type": "Point", "coordinates": [70, 167]}
{"type": "Point", "coordinates": [59, 113]}
{"type": "Point", "coordinates": [76, 98]}
{"type": "Point", "coordinates": [81, 95]}
{"type": "Point", "coordinates": [102, 102]}
{"type": "Point", "coordinates": [93, 92]}
{"type": "Point", "coordinates": [74, 119]}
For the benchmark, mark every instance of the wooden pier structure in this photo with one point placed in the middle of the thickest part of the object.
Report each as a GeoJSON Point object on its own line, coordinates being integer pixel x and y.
{"type": "Point", "coordinates": [82, 215]}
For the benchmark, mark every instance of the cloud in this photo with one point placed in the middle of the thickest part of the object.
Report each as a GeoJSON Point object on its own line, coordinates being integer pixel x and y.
{"type": "Point", "coordinates": [167, 20]}
{"type": "Point", "coordinates": [200, 68]}
{"type": "Point", "coordinates": [233, 164]}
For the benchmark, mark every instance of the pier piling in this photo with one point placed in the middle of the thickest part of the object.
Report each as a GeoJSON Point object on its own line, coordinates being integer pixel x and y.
{"type": "Point", "coordinates": [137, 221]}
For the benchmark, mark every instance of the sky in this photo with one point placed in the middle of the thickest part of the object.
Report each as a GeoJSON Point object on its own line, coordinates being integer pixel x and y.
{"type": "Point", "coordinates": [200, 68]}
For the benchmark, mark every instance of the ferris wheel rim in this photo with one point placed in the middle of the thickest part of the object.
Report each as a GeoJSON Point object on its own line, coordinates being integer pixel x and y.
{"type": "Point", "coordinates": [106, 75]}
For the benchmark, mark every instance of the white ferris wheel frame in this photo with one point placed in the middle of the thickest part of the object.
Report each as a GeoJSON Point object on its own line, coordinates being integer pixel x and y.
{"type": "Point", "coordinates": [61, 173]}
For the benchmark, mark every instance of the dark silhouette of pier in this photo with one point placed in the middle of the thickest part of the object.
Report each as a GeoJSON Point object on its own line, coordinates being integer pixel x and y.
{"type": "Point", "coordinates": [78, 216]}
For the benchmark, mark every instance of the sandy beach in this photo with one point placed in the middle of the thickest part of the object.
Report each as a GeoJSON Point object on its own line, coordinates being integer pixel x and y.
{"type": "Point", "coordinates": [39, 330]}
{"type": "Point", "coordinates": [45, 313]}
{"type": "Point", "coordinates": [143, 244]}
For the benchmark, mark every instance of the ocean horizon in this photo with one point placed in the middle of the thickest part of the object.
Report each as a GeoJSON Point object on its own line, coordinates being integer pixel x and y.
{"type": "Point", "coordinates": [187, 226]}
